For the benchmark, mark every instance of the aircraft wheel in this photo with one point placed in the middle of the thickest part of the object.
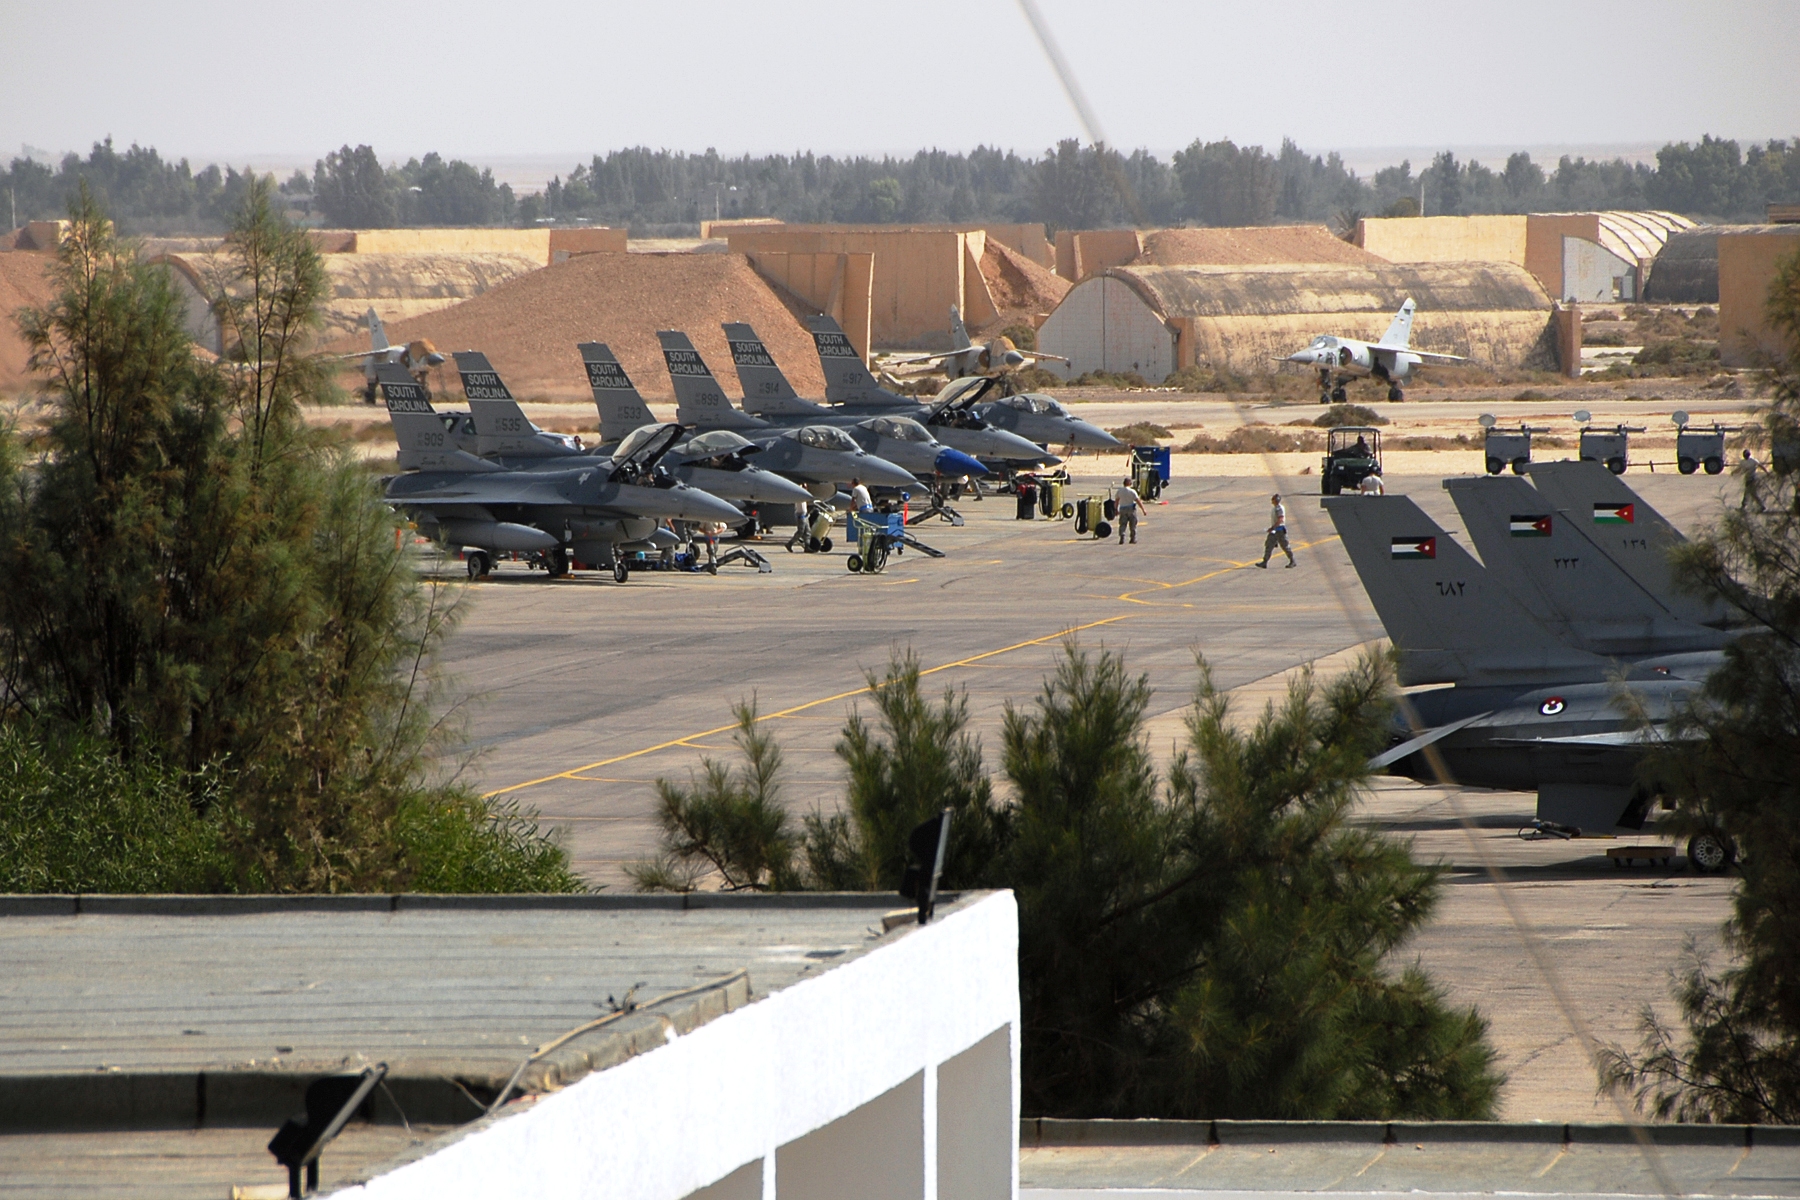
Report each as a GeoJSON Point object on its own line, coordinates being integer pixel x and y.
{"type": "Point", "coordinates": [1710, 852]}
{"type": "Point", "coordinates": [1616, 465]}
{"type": "Point", "coordinates": [1686, 466]}
{"type": "Point", "coordinates": [824, 545]}
{"type": "Point", "coordinates": [1068, 510]}
{"type": "Point", "coordinates": [479, 565]}
{"type": "Point", "coordinates": [1714, 466]}
{"type": "Point", "coordinates": [621, 570]}
{"type": "Point", "coordinates": [854, 562]}
{"type": "Point", "coordinates": [1495, 466]}
{"type": "Point", "coordinates": [1519, 465]}
{"type": "Point", "coordinates": [1338, 395]}
{"type": "Point", "coordinates": [1395, 394]}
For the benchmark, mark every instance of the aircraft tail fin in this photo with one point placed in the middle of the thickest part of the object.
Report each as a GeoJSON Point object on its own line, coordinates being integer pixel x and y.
{"type": "Point", "coordinates": [766, 390]}
{"type": "Point", "coordinates": [622, 409]}
{"type": "Point", "coordinates": [959, 333]}
{"type": "Point", "coordinates": [1627, 530]}
{"type": "Point", "coordinates": [425, 444]}
{"type": "Point", "coordinates": [377, 331]}
{"type": "Point", "coordinates": [847, 380]}
{"type": "Point", "coordinates": [1450, 620]}
{"type": "Point", "coordinates": [1399, 333]}
{"type": "Point", "coordinates": [1555, 570]}
{"type": "Point", "coordinates": [699, 400]}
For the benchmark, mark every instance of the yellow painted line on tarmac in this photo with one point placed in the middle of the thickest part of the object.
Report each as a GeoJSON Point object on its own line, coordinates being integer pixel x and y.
{"type": "Point", "coordinates": [689, 739]}
{"type": "Point", "coordinates": [1230, 565]}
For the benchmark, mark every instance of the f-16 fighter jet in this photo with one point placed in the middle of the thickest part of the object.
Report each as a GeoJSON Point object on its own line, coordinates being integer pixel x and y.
{"type": "Point", "coordinates": [590, 511]}
{"type": "Point", "coordinates": [1391, 359]}
{"type": "Point", "coordinates": [821, 456]}
{"type": "Point", "coordinates": [996, 356]}
{"type": "Point", "coordinates": [417, 357]}
{"type": "Point", "coordinates": [501, 431]}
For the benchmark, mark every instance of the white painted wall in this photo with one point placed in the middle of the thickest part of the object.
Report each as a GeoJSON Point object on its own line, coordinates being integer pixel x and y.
{"type": "Point", "coordinates": [1103, 325]}
{"type": "Point", "coordinates": [859, 1046]}
{"type": "Point", "coordinates": [1592, 274]}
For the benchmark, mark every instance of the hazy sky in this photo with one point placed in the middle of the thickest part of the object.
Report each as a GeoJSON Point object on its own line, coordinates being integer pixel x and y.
{"type": "Point", "coordinates": [559, 79]}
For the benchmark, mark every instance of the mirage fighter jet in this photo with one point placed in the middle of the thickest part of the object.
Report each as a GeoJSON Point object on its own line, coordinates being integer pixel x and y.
{"type": "Point", "coordinates": [1391, 359]}
{"type": "Point", "coordinates": [993, 357]}
{"type": "Point", "coordinates": [418, 357]}
{"type": "Point", "coordinates": [590, 509]}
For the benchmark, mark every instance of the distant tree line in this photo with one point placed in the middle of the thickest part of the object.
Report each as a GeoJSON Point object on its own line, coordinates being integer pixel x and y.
{"type": "Point", "coordinates": [1068, 186]}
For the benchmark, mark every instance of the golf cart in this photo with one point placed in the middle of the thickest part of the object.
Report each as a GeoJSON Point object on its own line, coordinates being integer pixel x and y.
{"type": "Point", "coordinates": [1352, 453]}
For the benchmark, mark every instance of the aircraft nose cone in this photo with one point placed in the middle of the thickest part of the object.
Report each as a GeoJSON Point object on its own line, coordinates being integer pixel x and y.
{"type": "Point", "coordinates": [1092, 437]}
{"type": "Point", "coordinates": [954, 463]}
{"type": "Point", "coordinates": [883, 473]}
{"type": "Point", "coordinates": [773, 489]}
{"type": "Point", "coordinates": [697, 505]}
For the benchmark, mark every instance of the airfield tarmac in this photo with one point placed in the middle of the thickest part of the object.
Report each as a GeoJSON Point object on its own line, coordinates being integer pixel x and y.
{"type": "Point", "coordinates": [579, 694]}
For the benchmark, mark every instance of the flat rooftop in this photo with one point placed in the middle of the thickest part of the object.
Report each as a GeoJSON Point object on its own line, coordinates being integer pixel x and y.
{"type": "Point", "coordinates": [154, 1044]}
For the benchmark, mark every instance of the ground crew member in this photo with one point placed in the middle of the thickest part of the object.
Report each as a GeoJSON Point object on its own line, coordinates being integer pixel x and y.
{"type": "Point", "coordinates": [1750, 467]}
{"type": "Point", "coordinates": [1128, 503]}
{"type": "Point", "coordinates": [1277, 535]}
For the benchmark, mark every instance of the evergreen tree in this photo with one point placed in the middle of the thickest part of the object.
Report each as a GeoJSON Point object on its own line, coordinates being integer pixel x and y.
{"type": "Point", "coordinates": [1731, 764]}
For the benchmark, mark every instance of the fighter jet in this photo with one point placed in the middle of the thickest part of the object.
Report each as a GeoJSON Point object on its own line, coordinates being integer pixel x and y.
{"type": "Point", "coordinates": [1032, 415]}
{"type": "Point", "coordinates": [1527, 711]}
{"type": "Point", "coordinates": [1391, 359]}
{"type": "Point", "coordinates": [590, 511]}
{"type": "Point", "coordinates": [716, 462]}
{"type": "Point", "coordinates": [821, 456]}
{"type": "Point", "coordinates": [502, 432]}
{"type": "Point", "coordinates": [996, 356]}
{"type": "Point", "coordinates": [418, 357]}
{"type": "Point", "coordinates": [849, 385]}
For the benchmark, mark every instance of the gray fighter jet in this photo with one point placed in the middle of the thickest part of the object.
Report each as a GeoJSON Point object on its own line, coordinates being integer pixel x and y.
{"type": "Point", "coordinates": [620, 404]}
{"type": "Point", "coordinates": [1033, 416]}
{"type": "Point", "coordinates": [1527, 711]}
{"type": "Point", "coordinates": [821, 456]}
{"type": "Point", "coordinates": [1555, 570]}
{"type": "Point", "coordinates": [849, 384]}
{"type": "Point", "coordinates": [589, 511]}
{"type": "Point", "coordinates": [496, 428]}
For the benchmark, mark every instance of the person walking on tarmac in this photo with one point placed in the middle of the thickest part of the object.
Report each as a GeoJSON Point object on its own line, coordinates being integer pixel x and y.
{"type": "Point", "coordinates": [1277, 533]}
{"type": "Point", "coordinates": [1129, 505]}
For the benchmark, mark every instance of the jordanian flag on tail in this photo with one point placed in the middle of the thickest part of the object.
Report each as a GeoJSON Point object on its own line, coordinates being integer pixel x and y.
{"type": "Point", "coordinates": [1414, 547]}
{"type": "Point", "coordinates": [1529, 526]}
{"type": "Point", "coordinates": [1613, 514]}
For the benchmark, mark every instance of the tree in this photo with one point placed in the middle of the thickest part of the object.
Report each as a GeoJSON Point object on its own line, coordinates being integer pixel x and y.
{"type": "Point", "coordinates": [1731, 764]}
{"type": "Point", "coordinates": [353, 191]}
{"type": "Point", "coordinates": [1213, 949]}
{"type": "Point", "coordinates": [211, 589]}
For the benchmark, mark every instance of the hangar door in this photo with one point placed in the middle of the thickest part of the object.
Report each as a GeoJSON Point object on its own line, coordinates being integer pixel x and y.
{"type": "Point", "coordinates": [1103, 325]}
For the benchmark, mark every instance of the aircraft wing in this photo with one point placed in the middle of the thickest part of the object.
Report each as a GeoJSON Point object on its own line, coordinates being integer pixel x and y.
{"type": "Point", "coordinates": [1413, 745]}
{"type": "Point", "coordinates": [903, 360]}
